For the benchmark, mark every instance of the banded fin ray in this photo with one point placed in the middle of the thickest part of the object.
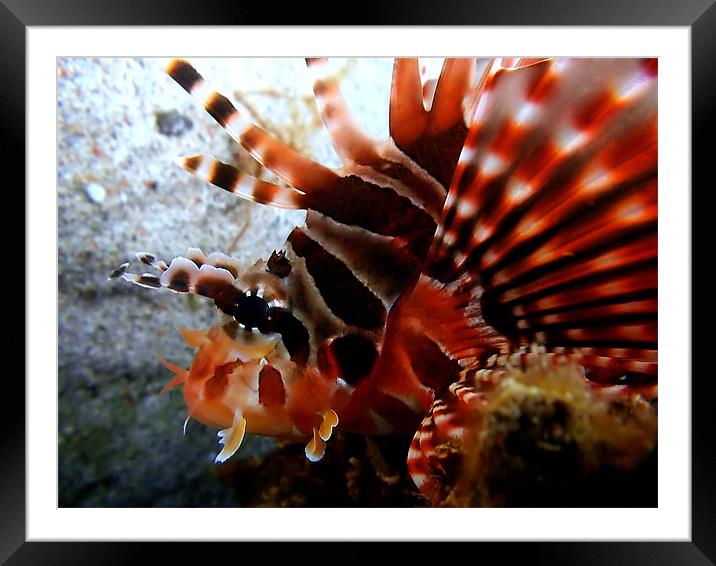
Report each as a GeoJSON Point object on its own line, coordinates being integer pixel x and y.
{"type": "Point", "coordinates": [353, 198]}
{"type": "Point", "coordinates": [349, 140]}
{"type": "Point", "coordinates": [230, 179]}
{"type": "Point", "coordinates": [295, 169]}
{"type": "Point", "coordinates": [380, 161]}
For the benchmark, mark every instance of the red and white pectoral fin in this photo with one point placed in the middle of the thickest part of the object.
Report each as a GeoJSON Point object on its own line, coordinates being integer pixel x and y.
{"type": "Point", "coordinates": [453, 329]}
{"type": "Point", "coordinates": [418, 465]}
{"type": "Point", "coordinates": [553, 210]}
{"type": "Point", "coordinates": [435, 452]}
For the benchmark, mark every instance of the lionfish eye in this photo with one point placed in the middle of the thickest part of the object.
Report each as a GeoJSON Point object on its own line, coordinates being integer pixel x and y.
{"type": "Point", "coordinates": [252, 299]}
{"type": "Point", "coordinates": [252, 311]}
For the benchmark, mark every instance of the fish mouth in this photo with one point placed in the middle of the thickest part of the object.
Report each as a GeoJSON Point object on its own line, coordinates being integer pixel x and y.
{"type": "Point", "coordinates": [239, 382]}
{"type": "Point", "coordinates": [249, 344]}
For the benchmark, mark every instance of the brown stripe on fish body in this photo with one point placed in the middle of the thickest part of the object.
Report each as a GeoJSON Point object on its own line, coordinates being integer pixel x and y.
{"type": "Point", "coordinates": [211, 286]}
{"type": "Point", "coordinates": [354, 201]}
{"type": "Point", "coordinates": [418, 184]}
{"type": "Point", "coordinates": [272, 391]}
{"type": "Point", "coordinates": [217, 383]}
{"type": "Point", "coordinates": [385, 268]}
{"type": "Point", "coordinates": [345, 295]}
{"type": "Point", "coordinates": [308, 307]}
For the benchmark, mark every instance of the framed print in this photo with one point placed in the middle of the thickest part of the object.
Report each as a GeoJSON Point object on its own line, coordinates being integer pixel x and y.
{"type": "Point", "coordinates": [451, 335]}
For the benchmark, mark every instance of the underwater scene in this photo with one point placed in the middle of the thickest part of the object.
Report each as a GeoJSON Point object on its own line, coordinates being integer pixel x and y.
{"type": "Point", "coordinates": [357, 282]}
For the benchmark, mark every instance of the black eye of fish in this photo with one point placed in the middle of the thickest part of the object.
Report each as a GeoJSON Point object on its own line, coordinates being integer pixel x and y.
{"type": "Point", "coordinates": [251, 311]}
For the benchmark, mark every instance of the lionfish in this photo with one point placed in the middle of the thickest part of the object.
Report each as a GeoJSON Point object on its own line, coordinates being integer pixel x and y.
{"type": "Point", "coordinates": [510, 219]}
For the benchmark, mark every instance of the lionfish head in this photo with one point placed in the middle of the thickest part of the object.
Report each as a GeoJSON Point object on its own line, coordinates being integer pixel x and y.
{"type": "Point", "coordinates": [252, 370]}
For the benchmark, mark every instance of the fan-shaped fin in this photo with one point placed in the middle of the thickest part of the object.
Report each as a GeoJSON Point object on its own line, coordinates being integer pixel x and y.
{"type": "Point", "coordinates": [433, 453]}
{"type": "Point", "coordinates": [553, 208]}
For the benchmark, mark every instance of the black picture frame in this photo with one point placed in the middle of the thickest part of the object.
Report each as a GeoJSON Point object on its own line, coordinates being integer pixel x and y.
{"type": "Point", "coordinates": [698, 15]}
